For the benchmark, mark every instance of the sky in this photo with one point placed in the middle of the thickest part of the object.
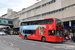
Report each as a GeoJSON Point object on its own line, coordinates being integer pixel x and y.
{"type": "Point", "coordinates": [16, 5]}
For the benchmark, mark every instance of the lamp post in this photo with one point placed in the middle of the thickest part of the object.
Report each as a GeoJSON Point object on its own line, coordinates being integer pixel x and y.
{"type": "Point", "coordinates": [40, 9]}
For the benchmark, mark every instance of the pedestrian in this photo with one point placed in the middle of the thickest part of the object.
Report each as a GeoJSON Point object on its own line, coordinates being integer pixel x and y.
{"type": "Point", "coordinates": [73, 37]}
{"type": "Point", "coordinates": [66, 36]}
{"type": "Point", "coordinates": [14, 33]}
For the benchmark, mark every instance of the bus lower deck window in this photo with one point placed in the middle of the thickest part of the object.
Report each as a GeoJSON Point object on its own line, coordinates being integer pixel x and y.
{"type": "Point", "coordinates": [51, 32]}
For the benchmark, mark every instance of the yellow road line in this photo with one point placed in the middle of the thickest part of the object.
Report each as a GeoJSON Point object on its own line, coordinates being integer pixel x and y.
{"type": "Point", "coordinates": [11, 45]}
{"type": "Point", "coordinates": [17, 48]}
{"type": "Point", "coordinates": [7, 43]}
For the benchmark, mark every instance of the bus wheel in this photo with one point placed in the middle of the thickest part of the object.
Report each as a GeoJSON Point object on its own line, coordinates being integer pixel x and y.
{"type": "Point", "coordinates": [43, 39]}
{"type": "Point", "coordinates": [25, 37]}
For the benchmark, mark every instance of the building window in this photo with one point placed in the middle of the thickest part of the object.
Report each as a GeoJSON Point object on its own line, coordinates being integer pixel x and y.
{"type": "Point", "coordinates": [73, 6]}
{"type": "Point", "coordinates": [56, 10]}
{"type": "Point", "coordinates": [52, 12]}
{"type": "Point", "coordinates": [60, 10]}
{"type": "Point", "coordinates": [48, 2]}
{"type": "Point", "coordinates": [0, 21]}
{"type": "Point", "coordinates": [44, 5]}
{"type": "Point", "coordinates": [54, 0]}
{"type": "Point", "coordinates": [5, 21]}
{"type": "Point", "coordinates": [10, 22]}
{"type": "Point", "coordinates": [70, 7]}
{"type": "Point", "coordinates": [57, 0]}
{"type": "Point", "coordinates": [62, 0]}
{"type": "Point", "coordinates": [48, 13]}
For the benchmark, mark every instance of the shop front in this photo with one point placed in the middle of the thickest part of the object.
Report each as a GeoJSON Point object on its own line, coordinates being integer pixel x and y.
{"type": "Point", "coordinates": [15, 31]}
{"type": "Point", "coordinates": [69, 27]}
{"type": "Point", "coordinates": [73, 26]}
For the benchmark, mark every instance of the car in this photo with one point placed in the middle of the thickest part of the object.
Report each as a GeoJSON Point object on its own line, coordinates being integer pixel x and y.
{"type": "Point", "coordinates": [2, 33]}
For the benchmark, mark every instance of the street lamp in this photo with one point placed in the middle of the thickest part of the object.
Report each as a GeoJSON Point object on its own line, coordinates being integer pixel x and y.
{"type": "Point", "coordinates": [41, 8]}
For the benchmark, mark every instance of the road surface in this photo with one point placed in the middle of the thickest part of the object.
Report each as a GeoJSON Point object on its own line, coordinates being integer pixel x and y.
{"type": "Point", "coordinates": [13, 42]}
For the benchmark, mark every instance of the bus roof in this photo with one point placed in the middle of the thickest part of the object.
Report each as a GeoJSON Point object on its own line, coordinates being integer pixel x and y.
{"type": "Point", "coordinates": [37, 19]}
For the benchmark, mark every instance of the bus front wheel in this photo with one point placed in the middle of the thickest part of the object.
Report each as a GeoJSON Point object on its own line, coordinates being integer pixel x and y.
{"type": "Point", "coordinates": [25, 37]}
{"type": "Point", "coordinates": [43, 39]}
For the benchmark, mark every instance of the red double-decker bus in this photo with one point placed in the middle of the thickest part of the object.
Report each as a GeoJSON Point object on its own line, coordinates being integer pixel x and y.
{"type": "Point", "coordinates": [48, 29]}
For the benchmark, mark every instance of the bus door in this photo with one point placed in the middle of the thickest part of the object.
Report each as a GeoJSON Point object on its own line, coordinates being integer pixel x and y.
{"type": "Point", "coordinates": [60, 33]}
{"type": "Point", "coordinates": [51, 35]}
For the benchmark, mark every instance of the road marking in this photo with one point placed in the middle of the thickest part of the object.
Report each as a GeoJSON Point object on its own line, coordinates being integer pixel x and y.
{"type": "Point", "coordinates": [9, 38]}
{"type": "Point", "coordinates": [11, 44]}
{"type": "Point", "coordinates": [70, 45]}
{"type": "Point", "coordinates": [28, 43]}
{"type": "Point", "coordinates": [17, 48]}
{"type": "Point", "coordinates": [67, 45]}
{"type": "Point", "coordinates": [4, 41]}
{"type": "Point", "coordinates": [46, 43]}
{"type": "Point", "coordinates": [7, 43]}
{"type": "Point", "coordinates": [33, 44]}
{"type": "Point", "coordinates": [48, 47]}
{"type": "Point", "coordinates": [23, 41]}
{"type": "Point", "coordinates": [15, 39]}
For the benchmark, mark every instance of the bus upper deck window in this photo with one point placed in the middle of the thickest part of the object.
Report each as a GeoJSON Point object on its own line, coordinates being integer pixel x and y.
{"type": "Point", "coordinates": [30, 23]}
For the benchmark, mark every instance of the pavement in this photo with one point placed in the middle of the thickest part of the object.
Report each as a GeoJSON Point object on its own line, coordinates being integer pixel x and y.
{"type": "Point", "coordinates": [70, 42]}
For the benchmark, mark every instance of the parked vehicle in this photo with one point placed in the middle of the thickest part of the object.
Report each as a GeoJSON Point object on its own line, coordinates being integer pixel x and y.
{"type": "Point", "coordinates": [2, 33]}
